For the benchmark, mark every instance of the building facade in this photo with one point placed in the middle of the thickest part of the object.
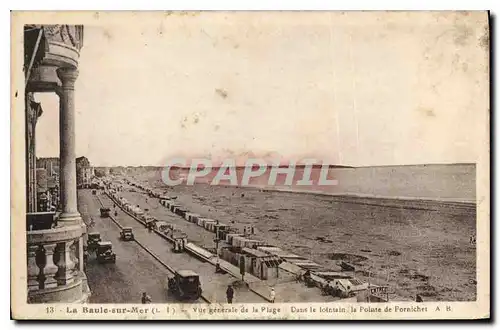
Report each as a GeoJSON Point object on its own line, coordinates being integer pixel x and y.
{"type": "Point", "coordinates": [48, 190]}
{"type": "Point", "coordinates": [55, 269]}
{"type": "Point", "coordinates": [84, 172]}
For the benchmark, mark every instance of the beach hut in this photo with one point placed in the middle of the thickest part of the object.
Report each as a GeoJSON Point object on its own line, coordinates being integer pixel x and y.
{"type": "Point", "coordinates": [270, 268]}
{"type": "Point", "coordinates": [252, 243]}
{"type": "Point", "coordinates": [222, 235]}
{"type": "Point", "coordinates": [201, 222]}
{"type": "Point", "coordinates": [239, 241]}
{"type": "Point", "coordinates": [261, 264]}
{"type": "Point", "coordinates": [207, 223]}
{"type": "Point", "coordinates": [220, 227]}
{"type": "Point", "coordinates": [181, 212]}
{"type": "Point", "coordinates": [230, 237]}
{"type": "Point", "coordinates": [210, 225]}
{"type": "Point", "coordinates": [190, 216]}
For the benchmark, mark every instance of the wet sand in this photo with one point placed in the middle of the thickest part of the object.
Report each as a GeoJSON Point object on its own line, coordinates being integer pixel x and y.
{"type": "Point", "coordinates": [416, 251]}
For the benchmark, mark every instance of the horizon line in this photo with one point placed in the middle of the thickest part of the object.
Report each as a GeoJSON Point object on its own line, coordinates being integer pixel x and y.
{"type": "Point", "coordinates": [302, 165]}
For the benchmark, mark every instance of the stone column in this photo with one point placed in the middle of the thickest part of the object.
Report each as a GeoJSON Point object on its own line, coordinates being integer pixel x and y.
{"type": "Point", "coordinates": [67, 158]}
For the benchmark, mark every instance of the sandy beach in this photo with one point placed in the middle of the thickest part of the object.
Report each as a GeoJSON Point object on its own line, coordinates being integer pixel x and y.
{"type": "Point", "coordinates": [424, 250]}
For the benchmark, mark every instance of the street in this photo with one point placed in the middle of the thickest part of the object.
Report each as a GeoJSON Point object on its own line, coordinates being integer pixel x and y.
{"type": "Point", "coordinates": [136, 270]}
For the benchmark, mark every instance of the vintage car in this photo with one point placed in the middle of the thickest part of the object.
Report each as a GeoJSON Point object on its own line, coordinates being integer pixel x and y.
{"type": "Point", "coordinates": [149, 222]}
{"type": "Point", "coordinates": [105, 212]}
{"type": "Point", "coordinates": [94, 192]}
{"type": "Point", "coordinates": [162, 226]}
{"type": "Point", "coordinates": [126, 234]}
{"type": "Point", "coordinates": [185, 285]}
{"type": "Point", "coordinates": [93, 239]}
{"type": "Point", "coordinates": [105, 252]}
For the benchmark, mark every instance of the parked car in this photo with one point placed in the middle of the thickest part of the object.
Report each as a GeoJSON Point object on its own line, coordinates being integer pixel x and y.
{"type": "Point", "coordinates": [105, 212]}
{"type": "Point", "coordinates": [150, 222]}
{"type": "Point", "coordinates": [93, 240]}
{"type": "Point", "coordinates": [162, 226]}
{"type": "Point", "coordinates": [126, 234]}
{"type": "Point", "coordinates": [105, 252]}
{"type": "Point", "coordinates": [185, 285]}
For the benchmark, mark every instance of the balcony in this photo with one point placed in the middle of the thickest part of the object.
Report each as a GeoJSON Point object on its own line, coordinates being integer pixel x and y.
{"type": "Point", "coordinates": [55, 261]}
{"type": "Point", "coordinates": [47, 48]}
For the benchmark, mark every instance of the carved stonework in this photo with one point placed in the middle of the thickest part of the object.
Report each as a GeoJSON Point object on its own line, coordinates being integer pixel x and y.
{"type": "Point", "coordinates": [71, 35]}
{"type": "Point", "coordinates": [58, 46]}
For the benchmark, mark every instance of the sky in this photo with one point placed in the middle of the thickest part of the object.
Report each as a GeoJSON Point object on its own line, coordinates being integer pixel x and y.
{"type": "Point", "coordinates": [354, 89]}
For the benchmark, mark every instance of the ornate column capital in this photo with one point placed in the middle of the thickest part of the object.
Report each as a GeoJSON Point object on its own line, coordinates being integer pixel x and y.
{"type": "Point", "coordinates": [67, 76]}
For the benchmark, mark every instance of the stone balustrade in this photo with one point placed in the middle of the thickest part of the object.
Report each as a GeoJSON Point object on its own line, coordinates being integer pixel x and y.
{"type": "Point", "coordinates": [55, 265]}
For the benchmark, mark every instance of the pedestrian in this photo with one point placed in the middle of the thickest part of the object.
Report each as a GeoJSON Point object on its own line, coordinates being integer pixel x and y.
{"type": "Point", "coordinates": [229, 294]}
{"type": "Point", "coordinates": [419, 298]}
{"type": "Point", "coordinates": [116, 213]}
{"type": "Point", "coordinates": [146, 299]}
{"type": "Point", "coordinates": [273, 295]}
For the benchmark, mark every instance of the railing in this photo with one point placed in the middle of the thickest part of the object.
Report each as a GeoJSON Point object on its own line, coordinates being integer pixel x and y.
{"type": "Point", "coordinates": [55, 265]}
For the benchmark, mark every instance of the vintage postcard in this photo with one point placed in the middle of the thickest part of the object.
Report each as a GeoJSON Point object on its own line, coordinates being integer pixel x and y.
{"type": "Point", "coordinates": [250, 165]}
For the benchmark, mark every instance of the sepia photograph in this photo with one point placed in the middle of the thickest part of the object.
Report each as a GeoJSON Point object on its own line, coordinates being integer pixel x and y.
{"type": "Point", "coordinates": [257, 165]}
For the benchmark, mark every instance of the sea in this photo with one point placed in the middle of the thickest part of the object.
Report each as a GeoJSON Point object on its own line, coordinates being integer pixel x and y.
{"type": "Point", "coordinates": [445, 182]}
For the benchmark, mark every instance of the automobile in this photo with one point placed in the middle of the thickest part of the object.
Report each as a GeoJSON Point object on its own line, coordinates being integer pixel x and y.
{"type": "Point", "coordinates": [105, 212]}
{"type": "Point", "coordinates": [149, 222]}
{"type": "Point", "coordinates": [105, 252]}
{"type": "Point", "coordinates": [185, 285]}
{"type": "Point", "coordinates": [93, 240]}
{"type": "Point", "coordinates": [126, 234]}
{"type": "Point", "coordinates": [94, 192]}
{"type": "Point", "coordinates": [162, 226]}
